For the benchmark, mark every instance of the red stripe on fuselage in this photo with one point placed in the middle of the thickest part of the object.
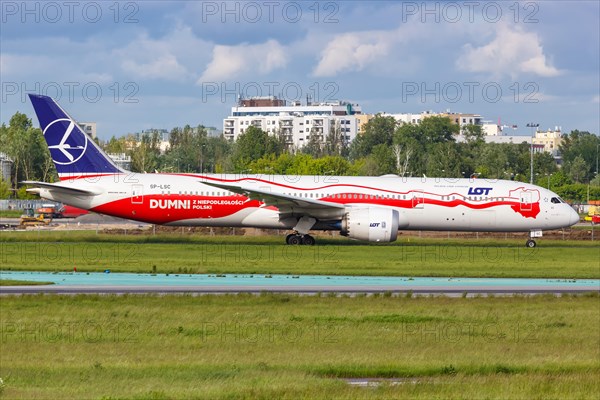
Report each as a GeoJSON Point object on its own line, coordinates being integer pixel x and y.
{"type": "Point", "coordinates": [160, 209]}
{"type": "Point", "coordinates": [528, 210]}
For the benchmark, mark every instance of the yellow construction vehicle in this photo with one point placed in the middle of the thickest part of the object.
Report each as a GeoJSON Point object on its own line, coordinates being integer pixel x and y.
{"type": "Point", "coordinates": [30, 218]}
{"type": "Point", "coordinates": [593, 215]}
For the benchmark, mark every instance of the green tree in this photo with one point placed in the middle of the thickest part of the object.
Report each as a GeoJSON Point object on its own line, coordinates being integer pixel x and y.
{"type": "Point", "coordinates": [5, 191]}
{"type": "Point", "coordinates": [578, 170]}
{"type": "Point", "coordinates": [443, 160]}
{"type": "Point", "coordinates": [578, 192]}
{"type": "Point", "coordinates": [116, 145]}
{"type": "Point", "coordinates": [409, 151]}
{"type": "Point", "coordinates": [315, 146]}
{"type": "Point", "coordinates": [381, 161]}
{"type": "Point", "coordinates": [379, 130]}
{"type": "Point", "coordinates": [26, 146]}
{"type": "Point", "coordinates": [252, 145]}
{"type": "Point", "coordinates": [473, 134]}
{"type": "Point", "coordinates": [23, 194]}
{"type": "Point", "coordinates": [437, 130]}
{"type": "Point", "coordinates": [332, 165]}
{"type": "Point", "coordinates": [580, 144]}
{"type": "Point", "coordinates": [217, 155]}
{"type": "Point", "coordinates": [145, 155]}
{"type": "Point", "coordinates": [336, 143]}
{"type": "Point", "coordinates": [187, 149]}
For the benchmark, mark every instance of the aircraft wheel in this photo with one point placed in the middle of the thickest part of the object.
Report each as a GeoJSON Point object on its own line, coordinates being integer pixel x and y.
{"type": "Point", "coordinates": [308, 240]}
{"type": "Point", "coordinates": [530, 243]}
{"type": "Point", "coordinates": [288, 237]}
{"type": "Point", "coordinates": [294, 240]}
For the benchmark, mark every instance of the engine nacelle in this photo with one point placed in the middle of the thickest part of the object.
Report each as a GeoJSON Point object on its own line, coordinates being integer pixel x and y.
{"type": "Point", "coordinates": [373, 224]}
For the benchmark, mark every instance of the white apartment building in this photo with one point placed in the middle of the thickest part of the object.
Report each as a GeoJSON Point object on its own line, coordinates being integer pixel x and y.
{"type": "Point", "coordinates": [543, 141]}
{"type": "Point", "coordinates": [416, 118]}
{"type": "Point", "coordinates": [410, 118]}
{"type": "Point", "coordinates": [89, 128]}
{"type": "Point", "coordinates": [297, 123]}
{"type": "Point", "coordinates": [121, 159]}
{"type": "Point", "coordinates": [5, 167]}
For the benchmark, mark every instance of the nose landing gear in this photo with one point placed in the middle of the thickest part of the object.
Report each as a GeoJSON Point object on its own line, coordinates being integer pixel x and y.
{"type": "Point", "coordinates": [531, 242]}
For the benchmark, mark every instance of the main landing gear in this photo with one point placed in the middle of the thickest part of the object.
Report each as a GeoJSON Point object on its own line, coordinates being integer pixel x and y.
{"type": "Point", "coordinates": [300, 232]}
{"type": "Point", "coordinates": [296, 239]}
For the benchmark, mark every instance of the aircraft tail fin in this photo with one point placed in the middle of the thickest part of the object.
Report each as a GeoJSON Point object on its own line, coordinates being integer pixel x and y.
{"type": "Point", "coordinates": [73, 152]}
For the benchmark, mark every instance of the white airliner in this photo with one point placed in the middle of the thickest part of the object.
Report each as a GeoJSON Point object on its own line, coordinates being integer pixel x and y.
{"type": "Point", "coordinates": [364, 208]}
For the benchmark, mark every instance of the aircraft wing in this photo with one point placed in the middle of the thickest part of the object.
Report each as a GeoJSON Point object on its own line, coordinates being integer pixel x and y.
{"type": "Point", "coordinates": [61, 188]}
{"type": "Point", "coordinates": [286, 204]}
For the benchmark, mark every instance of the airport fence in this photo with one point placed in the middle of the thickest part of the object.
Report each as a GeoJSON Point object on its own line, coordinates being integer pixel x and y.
{"type": "Point", "coordinates": [23, 204]}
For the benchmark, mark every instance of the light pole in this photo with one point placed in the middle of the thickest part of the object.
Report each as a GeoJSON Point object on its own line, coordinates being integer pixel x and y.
{"type": "Point", "coordinates": [531, 125]}
{"type": "Point", "coordinates": [597, 145]}
{"type": "Point", "coordinates": [202, 158]}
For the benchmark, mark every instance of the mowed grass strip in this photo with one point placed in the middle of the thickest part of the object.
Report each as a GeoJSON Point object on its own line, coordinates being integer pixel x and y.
{"type": "Point", "coordinates": [50, 251]}
{"type": "Point", "coordinates": [281, 346]}
{"type": "Point", "coordinates": [14, 282]}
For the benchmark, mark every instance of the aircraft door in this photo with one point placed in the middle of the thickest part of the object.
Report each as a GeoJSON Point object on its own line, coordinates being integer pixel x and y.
{"type": "Point", "coordinates": [418, 199]}
{"type": "Point", "coordinates": [137, 194]}
{"type": "Point", "coordinates": [526, 201]}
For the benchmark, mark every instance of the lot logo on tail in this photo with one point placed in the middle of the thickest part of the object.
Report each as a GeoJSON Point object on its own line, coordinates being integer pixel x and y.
{"type": "Point", "coordinates": [66, 142]}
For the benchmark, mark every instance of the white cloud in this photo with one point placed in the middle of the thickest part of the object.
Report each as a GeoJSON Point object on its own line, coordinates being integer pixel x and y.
{"type": "Point", "coordinates": [172, 57]}
{"type": "Point", "coordinates": [163, 67]}
{"type": "Point", "coordinates": [21, 64]}
{"type": "Point", "coordinates": [511, 52]}
{"type": "Point", "coordinates": [387, 52]}
{"type": "Point", "coordinates": [43, 70]}
{"type": "Point", "coordinates": [354, 51]}
{"type": "Point", "coordinates": [229, 62]}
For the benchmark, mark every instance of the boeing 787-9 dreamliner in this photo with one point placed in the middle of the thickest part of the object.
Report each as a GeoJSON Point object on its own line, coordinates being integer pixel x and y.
{"type": "Point", "coordinates": [365, 208]}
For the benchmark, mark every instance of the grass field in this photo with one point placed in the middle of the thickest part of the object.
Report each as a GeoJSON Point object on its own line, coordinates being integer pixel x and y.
{"type": "Point", "coordinates": [13, 282]}
{"type": "Point", "coordinates": [11, 213]}
{"type": "Point", "coordinates": [280, 346]}
{"type": "Point", "coordinates": [87, 251]}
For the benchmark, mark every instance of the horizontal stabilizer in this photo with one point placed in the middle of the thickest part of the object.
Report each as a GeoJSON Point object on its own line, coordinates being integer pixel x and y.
{"type": "Point", "coordinates": [62, 188]}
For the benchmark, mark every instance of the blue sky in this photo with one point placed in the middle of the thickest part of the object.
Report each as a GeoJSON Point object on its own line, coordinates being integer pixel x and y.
{"type": "Point", "coordinates": [135, 65]}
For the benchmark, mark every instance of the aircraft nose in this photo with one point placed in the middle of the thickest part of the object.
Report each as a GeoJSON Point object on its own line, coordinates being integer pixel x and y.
{"type": "Point", "coordinates": [573, 217]}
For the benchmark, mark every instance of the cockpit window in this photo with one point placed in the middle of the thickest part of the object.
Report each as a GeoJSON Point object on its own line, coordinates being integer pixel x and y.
{"type": "Point", "coordinates": [556, 200]}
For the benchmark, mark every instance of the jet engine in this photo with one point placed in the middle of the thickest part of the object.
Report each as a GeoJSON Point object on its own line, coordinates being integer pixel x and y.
{"type": "Point", "coordinates": [373, 224]}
